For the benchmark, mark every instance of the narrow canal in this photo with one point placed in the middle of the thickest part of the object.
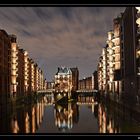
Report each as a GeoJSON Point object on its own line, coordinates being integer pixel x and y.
{"type": "Point", "coordinates": [83, 115]}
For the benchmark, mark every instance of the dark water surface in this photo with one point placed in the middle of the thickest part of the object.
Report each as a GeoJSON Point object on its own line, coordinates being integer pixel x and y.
{"type": "Point", "coordinates": [83, 115]}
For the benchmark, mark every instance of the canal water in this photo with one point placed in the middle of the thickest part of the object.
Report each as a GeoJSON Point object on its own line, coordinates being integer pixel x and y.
{"type": "Point", "coordinates": [83, 115]}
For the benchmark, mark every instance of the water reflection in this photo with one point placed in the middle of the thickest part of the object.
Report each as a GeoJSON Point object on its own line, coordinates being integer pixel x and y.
{"type": "Point", "coordinates": [27, 123]}
{"type": "Point", "coordinates": [25, 119]}
{"type": "Point", "coordinates": [14, 125]}
{"type": "Point", "coordinates": [81, 115]}
{"type": "Point", "coordinates": [106, 123]}
{"type": "Point", "coordinates": [66, 115]}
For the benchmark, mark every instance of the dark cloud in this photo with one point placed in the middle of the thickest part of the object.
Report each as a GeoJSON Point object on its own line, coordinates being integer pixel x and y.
{"type": "Point", "coordinates": [66, 13]}
{"type": "Point", "coordinates": [57, 36]}
{"type": "Point", "coordinates": [25, 33]}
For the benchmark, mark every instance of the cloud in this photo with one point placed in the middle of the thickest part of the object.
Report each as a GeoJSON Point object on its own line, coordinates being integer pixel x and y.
{"type": "Point", "coordinates": [55, 36]}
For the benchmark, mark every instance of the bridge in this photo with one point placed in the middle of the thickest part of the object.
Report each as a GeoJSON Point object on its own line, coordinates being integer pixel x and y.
{"type": "Point", "coordinates": [86, 91]}
{"type": "Point", "coordinates": [67, 95]}
{"type": "Point", "coordinates": [51, 92]}
{"type": "Point", "coordinates": [78, 91]}
{"type": "Point", "coordinates": [46, 91]}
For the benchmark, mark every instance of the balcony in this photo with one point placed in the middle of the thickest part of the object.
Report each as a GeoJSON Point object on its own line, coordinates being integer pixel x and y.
{"type": "Point", "coordinates": [13, 61]}
{"type": "Point", "coordinates": [115, 38]}
{"type": "Point", "coordinates": [26, 60]}
{"type": "Point", "coordinates": [110, 43]}
{"type": "Point", "coordinates": [110, 51]}
{"type": "Point", "coordinates": [138, 8]}
{"type": "Point", "coordinates": [138, 53]}
{"type": "Point", "coordinates": [138, 18]}
{"type": "Point", "coordinates": [14, 68]}
{"type": "Point", "coordinates": [14, 51]}
{"type": "Point", "coordinates": [117, 42]}
{"type": "Point", "coordinates": [117, 50]}
{"type": "Point", "coordinates": [117, 65]}
{"type": "Point", "coordinates": [14, 74]}
{"type": "Point", "coordinates": [26, 78]}
{"type": "Point", "coordinates": [138, 33]}
{"type": "Point", "coordinates": [114, 47]}
{"type": "Point", "coordinates": [14, 57]}
{"type": "Point", "coordinates": [138, 15]}
{"type": "Point", "coordinates": [138, 73]}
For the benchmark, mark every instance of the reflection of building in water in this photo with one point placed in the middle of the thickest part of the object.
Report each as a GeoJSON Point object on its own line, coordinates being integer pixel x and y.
{"type": "Point", "coordinates": [66, 115]}
{"type": "Point", "coordinates": [27, 123]}
{"type": "Point", "coordinates": [39, 112]}
{"type": "Point", "coordinates": [88, 100]}
{"type": "Point", "coordinates": [34, 117]}
{"type": "Point", "coordinates": [48, 99]}
{"type": "Point", "coordinates": [33, 120]}
{"type": "Point", "coordinates": [27, 119]}
{"type": "Point", "coordinates": [102, 119]}
{"type": "Point", "coordinates": [85, 99]}
{"type": "Point", "coordinates": [107, 123]}
{"type": "Point", "coordinates": [14, 125]}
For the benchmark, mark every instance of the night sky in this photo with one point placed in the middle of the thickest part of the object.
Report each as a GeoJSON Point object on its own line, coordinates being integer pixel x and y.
{"type": "Point", "coordinates": [61, 36]}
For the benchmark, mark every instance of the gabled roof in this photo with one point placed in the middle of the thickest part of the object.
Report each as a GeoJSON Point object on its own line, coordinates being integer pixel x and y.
{"type": "Point", "coordinates": [64, 70]}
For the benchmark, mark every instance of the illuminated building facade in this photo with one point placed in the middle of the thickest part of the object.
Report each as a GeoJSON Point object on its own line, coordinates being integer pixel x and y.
{"type": "Point", "coordinates": [110, 66]}
{"type": "Point", "coordinates": [104, 69]}
{"type": "Point", "coordinates": [100, 78]}
{"type": "Point", "coordinates": [26, 72]}
{"type": "Point", "coordinates": [66, 79]}
{"type": "Point", "coordinates": [119, 64]}
{"type": "Point", "coordinates": [19, 75]}
{"type": "Point", "coordinates": [63, 80]}
{"type": "Point", "coordinates": [117, 55]}
{"type": "Point", "coordinates": [30, 76]}
{"type": "Point", "coordinates": [114, 59]}
{"type": "Point", "coordinates": [95, 80]}
{"type": "Point", "coordinates": [14, 65]}
{"type": "Point", "coordinates": [36, 78]}
{"type": "Point", "coordinates": [39, 83]}
{"type": "Point", "coordinates": [85, 83]}
{"type": "Point", "coordinates": [81, 84]}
